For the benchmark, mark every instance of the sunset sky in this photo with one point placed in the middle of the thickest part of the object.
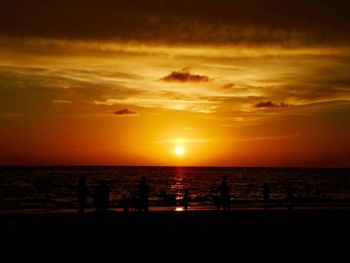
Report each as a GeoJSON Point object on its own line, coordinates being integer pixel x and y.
{"type": "Point", "coordinates": [234, 83]}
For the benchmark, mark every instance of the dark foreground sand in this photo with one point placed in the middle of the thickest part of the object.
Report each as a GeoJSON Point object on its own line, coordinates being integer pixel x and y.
{"type": "Point", "coordinates": [201, 236]}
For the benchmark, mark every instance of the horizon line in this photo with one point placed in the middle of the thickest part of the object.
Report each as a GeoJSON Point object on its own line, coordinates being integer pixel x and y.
{"type": "Point", "coordinates": [165, 166]}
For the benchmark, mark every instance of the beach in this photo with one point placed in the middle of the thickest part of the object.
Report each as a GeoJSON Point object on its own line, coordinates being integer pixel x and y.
{"type": "Point", "coordinates": [169, 236]}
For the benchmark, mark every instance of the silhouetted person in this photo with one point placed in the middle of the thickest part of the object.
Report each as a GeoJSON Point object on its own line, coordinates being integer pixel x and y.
{"type": "Point", "coordinates": [217, 201]}
{"type": "Point", "coordinates": [318, 193]}
{"type": "Point", "coordinates": [125, 204]}
{"type": "Point", "coordinates": [82, 194]}
{"type": "Point", "coordinates": [225, 194]}
{"type": "Point", "coordinates": [164, 197]}
{"type": "Point", "coordinates": [290, 197]}
{"type": "Point", "coordinates": [102, 198]}
{"type": "Point", "coordinates": [266, 194]}
{"type": "Point", "coordinates": [143, 194]}
{"type": "Point", "coordinates": [167, 199]}
{"type": "Point", "coordinates": [134, 202]}
{"type": "Point", "coordinates": [186, 200]}
{"type": "Point", "coordinates": [171, 200]}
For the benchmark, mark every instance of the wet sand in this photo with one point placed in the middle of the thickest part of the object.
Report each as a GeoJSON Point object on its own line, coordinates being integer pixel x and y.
{"type": "Point", "coordinates": [196, 236]}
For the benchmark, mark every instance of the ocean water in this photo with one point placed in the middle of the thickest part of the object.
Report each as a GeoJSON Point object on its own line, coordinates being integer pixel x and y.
{"type": "Point", "coordinates": [55, 187]}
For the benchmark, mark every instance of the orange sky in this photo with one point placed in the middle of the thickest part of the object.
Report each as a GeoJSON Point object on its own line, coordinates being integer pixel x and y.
{"type": "Point", "coordinates": [269, 96]}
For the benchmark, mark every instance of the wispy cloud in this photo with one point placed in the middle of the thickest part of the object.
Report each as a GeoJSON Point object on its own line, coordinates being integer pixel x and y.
{"type": "Point", "coordinates": [62, 101]}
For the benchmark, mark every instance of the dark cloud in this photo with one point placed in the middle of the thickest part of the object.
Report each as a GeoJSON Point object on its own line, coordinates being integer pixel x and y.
{"type": "Point", "coordinates": [184, 75]}
{"type": "Point", "coordinates": [270, 104]}
{"type": "Point", "coordinates": [126, 112]}
{"type": "Point", "coordinates": [176, 22]}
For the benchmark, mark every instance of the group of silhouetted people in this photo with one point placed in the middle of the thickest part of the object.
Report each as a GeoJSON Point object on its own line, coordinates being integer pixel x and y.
{"type": "Point", "coordinates": [140, 201]}
{"type": "Point", "coordinates": [100, 196]}
{"type": "Point", "coordinates": [223, 199]}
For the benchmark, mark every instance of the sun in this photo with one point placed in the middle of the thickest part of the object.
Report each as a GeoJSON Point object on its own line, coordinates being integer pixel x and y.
{"type": "Point", "coordinates": [179, 150]}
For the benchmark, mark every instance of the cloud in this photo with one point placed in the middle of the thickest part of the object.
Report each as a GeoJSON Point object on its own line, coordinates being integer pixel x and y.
{"type": "Point", "coordinates": [270, 104]}
{"type": "Point", "coordinates": [184, 75]}
{"type": "Point", "coordinates": [227, 86]}
{"type": "Point", "coordinates": [196, 21]}
{"type": "Point", "coordinates": [126, 112]}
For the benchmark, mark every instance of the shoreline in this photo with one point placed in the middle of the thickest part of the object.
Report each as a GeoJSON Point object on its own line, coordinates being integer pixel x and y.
{"type": "Point", "coordinates": [179, 209]}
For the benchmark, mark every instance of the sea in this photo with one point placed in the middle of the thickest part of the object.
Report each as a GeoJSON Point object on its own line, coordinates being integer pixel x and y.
{"type": "Point", "coordinates": [55, 188]}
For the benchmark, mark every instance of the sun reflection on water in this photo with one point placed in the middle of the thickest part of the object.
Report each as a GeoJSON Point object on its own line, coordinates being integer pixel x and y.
{"type": "Point", "coordinates": [178, 185]}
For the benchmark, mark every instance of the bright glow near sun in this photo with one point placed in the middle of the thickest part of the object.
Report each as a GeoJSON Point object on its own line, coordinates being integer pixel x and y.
{"type": "Point", "coordinates": [179, 150]}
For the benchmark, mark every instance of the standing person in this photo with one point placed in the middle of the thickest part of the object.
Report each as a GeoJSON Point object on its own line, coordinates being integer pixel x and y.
{"type": "Point", "coordinates": [125, 204]}
{"type": "Point", "coordinates": [82, 194]}
{"type": "Point", "coordinates": [102, 198]}
{"type": "Point", "coordinates": [266, 194]}
{"type": "Point", "coordinates": [217, 201]}
{"type": "Point", "coordinates": [186, 200]}
{"type": "Point", "coordinates": [134, 202]}
{"type": "Point", "coordinates": [143, 194]}
{"type": "Point", "coordinates": [290, 197]}
{"type": "Point", "coordinates": [225, 193]}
